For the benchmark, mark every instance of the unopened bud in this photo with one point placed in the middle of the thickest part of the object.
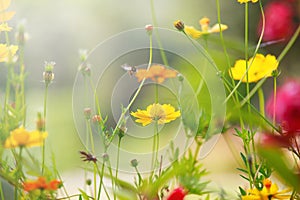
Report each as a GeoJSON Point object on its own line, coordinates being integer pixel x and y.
{"type": "Point", "coordinates": [40, 122]}
{"type": "Point", "coordinates": [96, 119]}
{"type": "Point", "coordinates": [134, 163]}
{"type": "Point", "coordinates": [179, 25]}
{"type": "Point", "coordinates": [48, 74]}
{"type": "Point", "coordinates": [88, 181]}
{"type": "Point", "coordinates": [149, 29]}
{"type": "Point", "coordinates": [87, 113]}
{"type": "Point", "coordinates": [180, 77]}
{"type": "Point", "coordinates": [105, 157]}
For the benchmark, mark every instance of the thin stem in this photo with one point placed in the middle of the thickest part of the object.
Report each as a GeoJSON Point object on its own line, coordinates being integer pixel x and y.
{"type": "Point", "coordinates": [135, 95]}
{"type": "Point", "coordinates": [95, 182]}
{"type": "Point", "coordinates": [289, 45]}
{"type": "Point", "coordinates": [101, 180]}
{"type": "Point", "coordinates": [247, 52]}
{"type": "Point", "coordinates": [261, 100]}
{"type": "Point", "coordinates": [45, 115]}
{"type": "Point", "coordinates": [1, 191]}
{"type": "Point", "coordinates": [154, 21]}
{"type": "Point", "coordinates": [118, 161]}
{"type": "Point", "coordinates": [90, 132]}
{"type": "Point", "coordinates": [274, 99]}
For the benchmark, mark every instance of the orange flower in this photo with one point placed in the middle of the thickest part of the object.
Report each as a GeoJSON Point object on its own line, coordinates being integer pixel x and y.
{"type": "Point", "coordinates": [41, 184]}
{"type": "Point", "coordinates": [157, 73]}
{"type": "Point", "coordinates": [54, 185]}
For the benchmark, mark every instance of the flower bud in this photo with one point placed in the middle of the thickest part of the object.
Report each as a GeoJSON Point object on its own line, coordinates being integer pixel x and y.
{"type": "Point", "coordinates": [88, 181]}
{"type": "Point", "coordinates": [48, 74]}
{"type": "Point", "coordinates": [96, 119]}
{"type": "Point", "coordinates": [105, 157]}
{"type": "Point", "coordinates": [149, 29]}
{"type": "Point", "coordinates": [134, 163]}
{"type": "Point", "coordinates": [40, 123]}
{"type": "Point", "coordinates": [180, 77]}
{"type": "Point", "coordinates": [87, 113]}
{"type": "Point", "coordinates": [179, 25]}
{"type": "Point", "coordinates": [83, 54]}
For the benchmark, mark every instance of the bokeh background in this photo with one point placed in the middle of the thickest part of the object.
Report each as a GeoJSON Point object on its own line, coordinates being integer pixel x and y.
{"type": "Point", "coordinates": [57, 29]}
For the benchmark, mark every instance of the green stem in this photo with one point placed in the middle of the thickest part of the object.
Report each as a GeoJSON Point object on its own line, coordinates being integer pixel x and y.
{"type": "Point", "coordinates": [162, 52]}
{"type": "Point", "coordinates": [197, 148]}
{"type": "Point", "coordinates": [101, 181]}
{"type": "Point", "coordinates": [1, 191]}
{"type": "Point", "coordinates": [19, 171]}
{"type": "Point", "coordinates": [90, 133]}
{"type": "Point", "coordinates": [118, 161]}
{"type": "Point", "coordinates": [247, 53]}
{"type": "Point", "coordinates": [261, 100]}
{"type": "Point", "coordinates": [274, 99]}
{"type": "Point", "coordinates": [95, 182]}
{"type": "Point", "coordinates": [120, 121]}
{"type": "Point", "coordinates": [45, 115]}
{"type": "Point", "coordinates": [289, 45]}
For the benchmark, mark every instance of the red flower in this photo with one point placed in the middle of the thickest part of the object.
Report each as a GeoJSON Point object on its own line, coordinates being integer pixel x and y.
{"type": "Point", "coordinates": [177, 194]}
{"type": "Point", "coordinates": [287, 106]}
{"type": "Point", "coordinates": [279, 21]}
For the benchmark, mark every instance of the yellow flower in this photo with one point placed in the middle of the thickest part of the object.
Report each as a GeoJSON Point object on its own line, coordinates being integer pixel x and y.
{"type": "Point", "coordinates": [157, 73]}
{"type": "Point", "coordinates": [259, 67]}
{"type": "Point", "coordinates": [21, 137]}
{"type": "Point", "coordinates": [269, 191]}
{"type": "Point", "coordinates": [161, 113]}
{"type": "Point", "coordinates": [205, 28]}
{"type": "Point", "coordinates": [5, 27]}
{"type": "Point", "coordinates": [7, 52]}
{"type": "Point", "coordinates": [246, 1]}
{"type": "Point", "coordinates": [5, 15]}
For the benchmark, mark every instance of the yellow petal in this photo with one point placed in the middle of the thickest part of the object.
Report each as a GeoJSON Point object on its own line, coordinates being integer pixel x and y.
{"type": "Point", "coordinates": [5, 27]}
{"type": "Point", "coordinates": [191, 31]}
{"type": "Point", "coordinates": [5, 16]}
{"type": "Point", "coordinates": [216, 28]}
{"type": "Point", "coordinates": [4, 4]}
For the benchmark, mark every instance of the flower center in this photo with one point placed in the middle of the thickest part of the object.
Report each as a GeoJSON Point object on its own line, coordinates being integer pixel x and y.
{"type": "Point", "coordinates": [157, 112]}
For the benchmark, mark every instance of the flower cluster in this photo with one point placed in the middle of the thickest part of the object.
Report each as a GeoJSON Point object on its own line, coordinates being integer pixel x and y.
{"type": "Point", "coordinates": [41, 184]}
{"type": "Point", "coordinates": [269, 191]}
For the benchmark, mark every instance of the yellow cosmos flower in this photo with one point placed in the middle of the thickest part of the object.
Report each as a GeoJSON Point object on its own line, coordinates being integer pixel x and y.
{"type": "Point", "coordinates": [7, 52]}
{"type": "Point", "coordinates": [5, 15]}
{"type": "Point", "coordinates": [246, 1]}
{"type": "Point", "coordinates": [259, 67]}
{"type": "Point", "coordinates": [269, 191]}
{"type": "Point", "coordinates": [20, 137]}
{"type": "Point", "coordinates": [205, 28]}
{"type": "Point", "coordinates": [161, 113]}
{"type": "Point", "coordinates": [5, 27]}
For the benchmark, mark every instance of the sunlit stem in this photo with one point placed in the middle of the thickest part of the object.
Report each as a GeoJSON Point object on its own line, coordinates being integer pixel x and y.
{"type": "Point", "coordinates": [118, 161]}
{"type": "Point", "coordinates": [101, 173]}
{"type": "Point", "coordinates": [261, 100]}
{"type": "Point", "coordinates": [1, 191]}
{"type": "Point", "coordinates": [274, 99]}
{"type": "Point", "coordinates": [120, 121]}
{"type": "Point", "coordinates": [45, 115]}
